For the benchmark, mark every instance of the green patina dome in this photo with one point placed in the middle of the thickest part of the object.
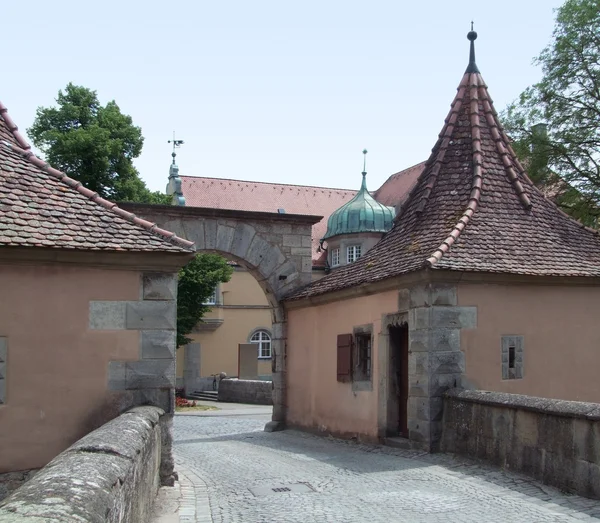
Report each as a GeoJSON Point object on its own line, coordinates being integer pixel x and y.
{"type": "Point", "coordinates": [361, 214]}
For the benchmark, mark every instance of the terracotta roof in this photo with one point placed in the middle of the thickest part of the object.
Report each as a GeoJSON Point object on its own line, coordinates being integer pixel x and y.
{"type": "Point", "coordinates": [474, 209]}
{"type": "Point", "coordinates": [219, 193]}
{"type": "Point", "coordinates": [42, 207]}
{"type": "Point", "coordinates": [396, 188]}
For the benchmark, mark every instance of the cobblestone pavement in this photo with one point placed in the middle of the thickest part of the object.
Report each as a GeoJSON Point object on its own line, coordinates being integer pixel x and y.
{"type": "Point", "coordinates": [224, 457]}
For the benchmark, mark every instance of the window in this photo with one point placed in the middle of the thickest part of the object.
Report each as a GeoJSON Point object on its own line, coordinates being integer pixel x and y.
{"type": "Point", "coordinates": [362, 370]}
{"type": "Point", "coordinates": [354, 357]}
{"type": "Point", "coordinates": [263, 340]}
{"type": "Point", "coordinates": [512, 357]}
{"type": "Point", "coordinates": [335, 257]}
{"type": "Point", "coordinates": [353, 253]}
{"type": "Point", "coordinates": [212, 299]}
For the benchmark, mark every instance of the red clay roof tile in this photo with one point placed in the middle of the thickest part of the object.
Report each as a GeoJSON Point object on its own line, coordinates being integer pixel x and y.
{"type": "Point", "coordinates": [473, 209]}
{"type": "Point", "coordinates": [41, 206]}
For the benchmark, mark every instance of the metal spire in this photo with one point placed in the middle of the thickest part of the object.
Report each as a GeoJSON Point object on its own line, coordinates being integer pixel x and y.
{"type": "Point", "coordinates": [176, 143]}
{"type": "Point", "coordinates": [472, 67]}
{"type": "Point", "coordinates": [364, 173]}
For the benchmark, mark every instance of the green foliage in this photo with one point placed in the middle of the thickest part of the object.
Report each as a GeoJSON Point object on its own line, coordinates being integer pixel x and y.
{"type": "Point", "coordinates": [94, 144]}
{"type": "Point", "coordinates": [197, 281]}
{"type": "Point", "coordinates": [566, 162]}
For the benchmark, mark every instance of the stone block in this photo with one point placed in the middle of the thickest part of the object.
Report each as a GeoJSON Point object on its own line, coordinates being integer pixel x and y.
{"type": "Point", "coordinates": [403, 300]}
{"type": "Point", "coordinates": [151, 315]}
{"type": "Point", "coordinates": [291, 240]}
{"type": "Point", "coordinates": [224, 238]}
{"type": "Point", "coordinates": [419, 296]}
{"type": "Point", "coordinates": [443, 294]}
{"type": "Point", "coordinates": [427, 433]}
{"type": "Point", "coordinates": [161, 398]}
{"type": "Point", "coordinates": [301, 251]}
{"type": "Point", "coordinates": [258, 251]}
{"type": "Point", "coordinates": [452, 362]}
{"type": "Point", "coordinates": [426, 409]}
{"type": "Point", "coordinates": [418, 341]}
{"type": "Point", "coordinates": [440, 383]}
{"type": "Point", "coordinates": [454, 317]}
{"type": "Point", "coordinates": [159, 344]}
{"type": "Point", "coordinates": [418, 363]}
{"type": "Point", "coordinates": [307, 264]}
{"type": "Point", "coordinates": [242, 239]}
{"type": "Point", "coordinates": [210, 234]}
{"type": "Point", "coordinates": [444, 340]}
{"type": "Point", "coordinates": [107, 315]}
{"type": "Point", "coordinates": [419, 318]}
{"type": "Point", "coordinates": [117, 375]}
{"type": "Point", "coordinates": [160, 286]}
{"type": "Point", "coordinates": [307, 241]}
{"type": "Point", "coordinates": [150, 374]}
{"type": "Point", "coordinates": [194, 232]}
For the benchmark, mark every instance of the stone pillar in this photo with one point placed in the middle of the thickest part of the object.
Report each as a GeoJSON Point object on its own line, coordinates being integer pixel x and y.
{"type": "Point", "coordinates": [278, 345]}
{"type": "Point", "coordinates": [151, 379]}
{"type": "Point", "coordinates": [191, 367]}
{"type": "Point", "coordinates": [436, 362]}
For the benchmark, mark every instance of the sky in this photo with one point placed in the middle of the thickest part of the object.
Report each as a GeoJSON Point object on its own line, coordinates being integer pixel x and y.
{"type": "Point", "coordinates": [273, 91]}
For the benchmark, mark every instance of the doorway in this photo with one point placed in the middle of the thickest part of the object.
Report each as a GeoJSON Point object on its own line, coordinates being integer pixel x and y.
{"type": "Point", "coordinates": [398, 376]}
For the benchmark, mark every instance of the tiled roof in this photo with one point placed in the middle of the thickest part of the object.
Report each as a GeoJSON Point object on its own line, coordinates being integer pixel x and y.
{"type": "Point", "coordinates": [219, 193]}
{"type": "Point", "coordinates": [474, 209]}
{"type": "Point", "coordinates": [42, 207]}
{"type": "Point", "coordinates": [396, 188]}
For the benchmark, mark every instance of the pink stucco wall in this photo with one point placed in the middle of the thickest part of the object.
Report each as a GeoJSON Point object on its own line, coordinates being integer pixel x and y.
{"type": "Point", "coordinates": [561, 329]}
{"type": "Point", "coordinates": [57, 366]}
{"type": "Point", "coordinates": [315, 398]}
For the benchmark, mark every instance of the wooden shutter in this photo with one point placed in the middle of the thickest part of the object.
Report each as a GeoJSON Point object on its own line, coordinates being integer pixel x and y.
{"type": "Point", "coordinates": [344, 357]}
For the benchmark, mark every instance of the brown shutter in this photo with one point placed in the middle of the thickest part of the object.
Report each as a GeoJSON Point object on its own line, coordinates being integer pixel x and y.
{"type": "Point", "coordinates": [344, 357]}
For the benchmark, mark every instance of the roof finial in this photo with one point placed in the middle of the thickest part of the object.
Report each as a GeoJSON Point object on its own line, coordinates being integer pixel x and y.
{"type": "Point", "coordinates": [472, 67]}
{"type": "Point", "coordinates": [176, 143]}
{"type": "Point", "coordinates": [364, 173]}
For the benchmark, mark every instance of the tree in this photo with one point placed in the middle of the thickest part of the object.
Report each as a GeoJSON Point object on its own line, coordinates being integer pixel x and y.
{"type": "Point", "coordinates": [93, 143]}
{"type": "Point", "coordinates": [197, 283]}
{"type": "Point", "coordinates": [565, 161]}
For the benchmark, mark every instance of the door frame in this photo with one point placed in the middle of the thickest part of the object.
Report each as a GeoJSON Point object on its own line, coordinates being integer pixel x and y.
{"type": "Point", "coordinates": [396, 319]}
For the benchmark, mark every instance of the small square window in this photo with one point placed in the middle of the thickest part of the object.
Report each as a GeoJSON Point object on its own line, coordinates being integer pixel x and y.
{"type": "Point", "coordinates": [353, 253]}
{"type": "Point", "coordinates": [512, 357]}
{"type": "Point", "coordinates": [335, 257]}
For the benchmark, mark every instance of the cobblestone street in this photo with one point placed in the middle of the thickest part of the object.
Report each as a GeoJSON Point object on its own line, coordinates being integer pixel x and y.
{"type": "Point", "coordinates": [229, 467]}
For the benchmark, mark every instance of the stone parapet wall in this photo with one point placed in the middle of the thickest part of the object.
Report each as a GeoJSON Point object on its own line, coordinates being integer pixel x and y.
{"type": "Point", "coordinates": [259, 392]}
{"type": "Point", "coordinates": [110, 475]}
{"type": "Point", "coordinates": [555, 441]}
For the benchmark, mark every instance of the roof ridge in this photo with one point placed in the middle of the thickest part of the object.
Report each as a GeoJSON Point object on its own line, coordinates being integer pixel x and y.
{"type": "Point", "coordinates": [24, 149]}
{"type": "Point", "coordinates": [271, 183]}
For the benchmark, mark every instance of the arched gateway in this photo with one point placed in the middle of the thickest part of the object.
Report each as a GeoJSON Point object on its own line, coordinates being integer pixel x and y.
{"type": "Point", "coordinates": [272, 247]}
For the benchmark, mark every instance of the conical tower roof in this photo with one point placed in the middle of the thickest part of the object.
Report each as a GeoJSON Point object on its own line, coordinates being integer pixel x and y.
{"type": "Point", "coordinates": [474, 209]}
{"type": "Point", "coordinates": [361, 214]}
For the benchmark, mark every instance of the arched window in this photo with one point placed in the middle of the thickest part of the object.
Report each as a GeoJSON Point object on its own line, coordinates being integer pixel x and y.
{"type": "Point", "coordinates": [263, 340]}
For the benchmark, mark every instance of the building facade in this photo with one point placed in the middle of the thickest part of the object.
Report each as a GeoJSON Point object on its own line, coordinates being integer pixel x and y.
{"type": "Point", "coordinates": [88, 310]}
{"type": "Point", "coordinates": [481, 283]}
{"type": "Point", "coordinates": [240, 313]}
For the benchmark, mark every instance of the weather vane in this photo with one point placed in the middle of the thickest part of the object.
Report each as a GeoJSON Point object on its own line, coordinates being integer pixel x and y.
{"type": "Point", "coordinates": [176, 143]}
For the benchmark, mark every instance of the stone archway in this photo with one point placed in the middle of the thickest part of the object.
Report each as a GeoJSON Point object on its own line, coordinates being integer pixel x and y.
{"type": "Point", "coordinates": [274, 248]}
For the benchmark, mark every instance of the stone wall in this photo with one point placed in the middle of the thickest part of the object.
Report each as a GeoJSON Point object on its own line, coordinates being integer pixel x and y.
{"type": "Point", "coordinates": [555, 441]}
{"type": "Point", "coordinates": [110, 475]}
{"type": "Point", "coordinates": [259, 392]}
{"type": "Point", "coordinates": [436, 362]}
